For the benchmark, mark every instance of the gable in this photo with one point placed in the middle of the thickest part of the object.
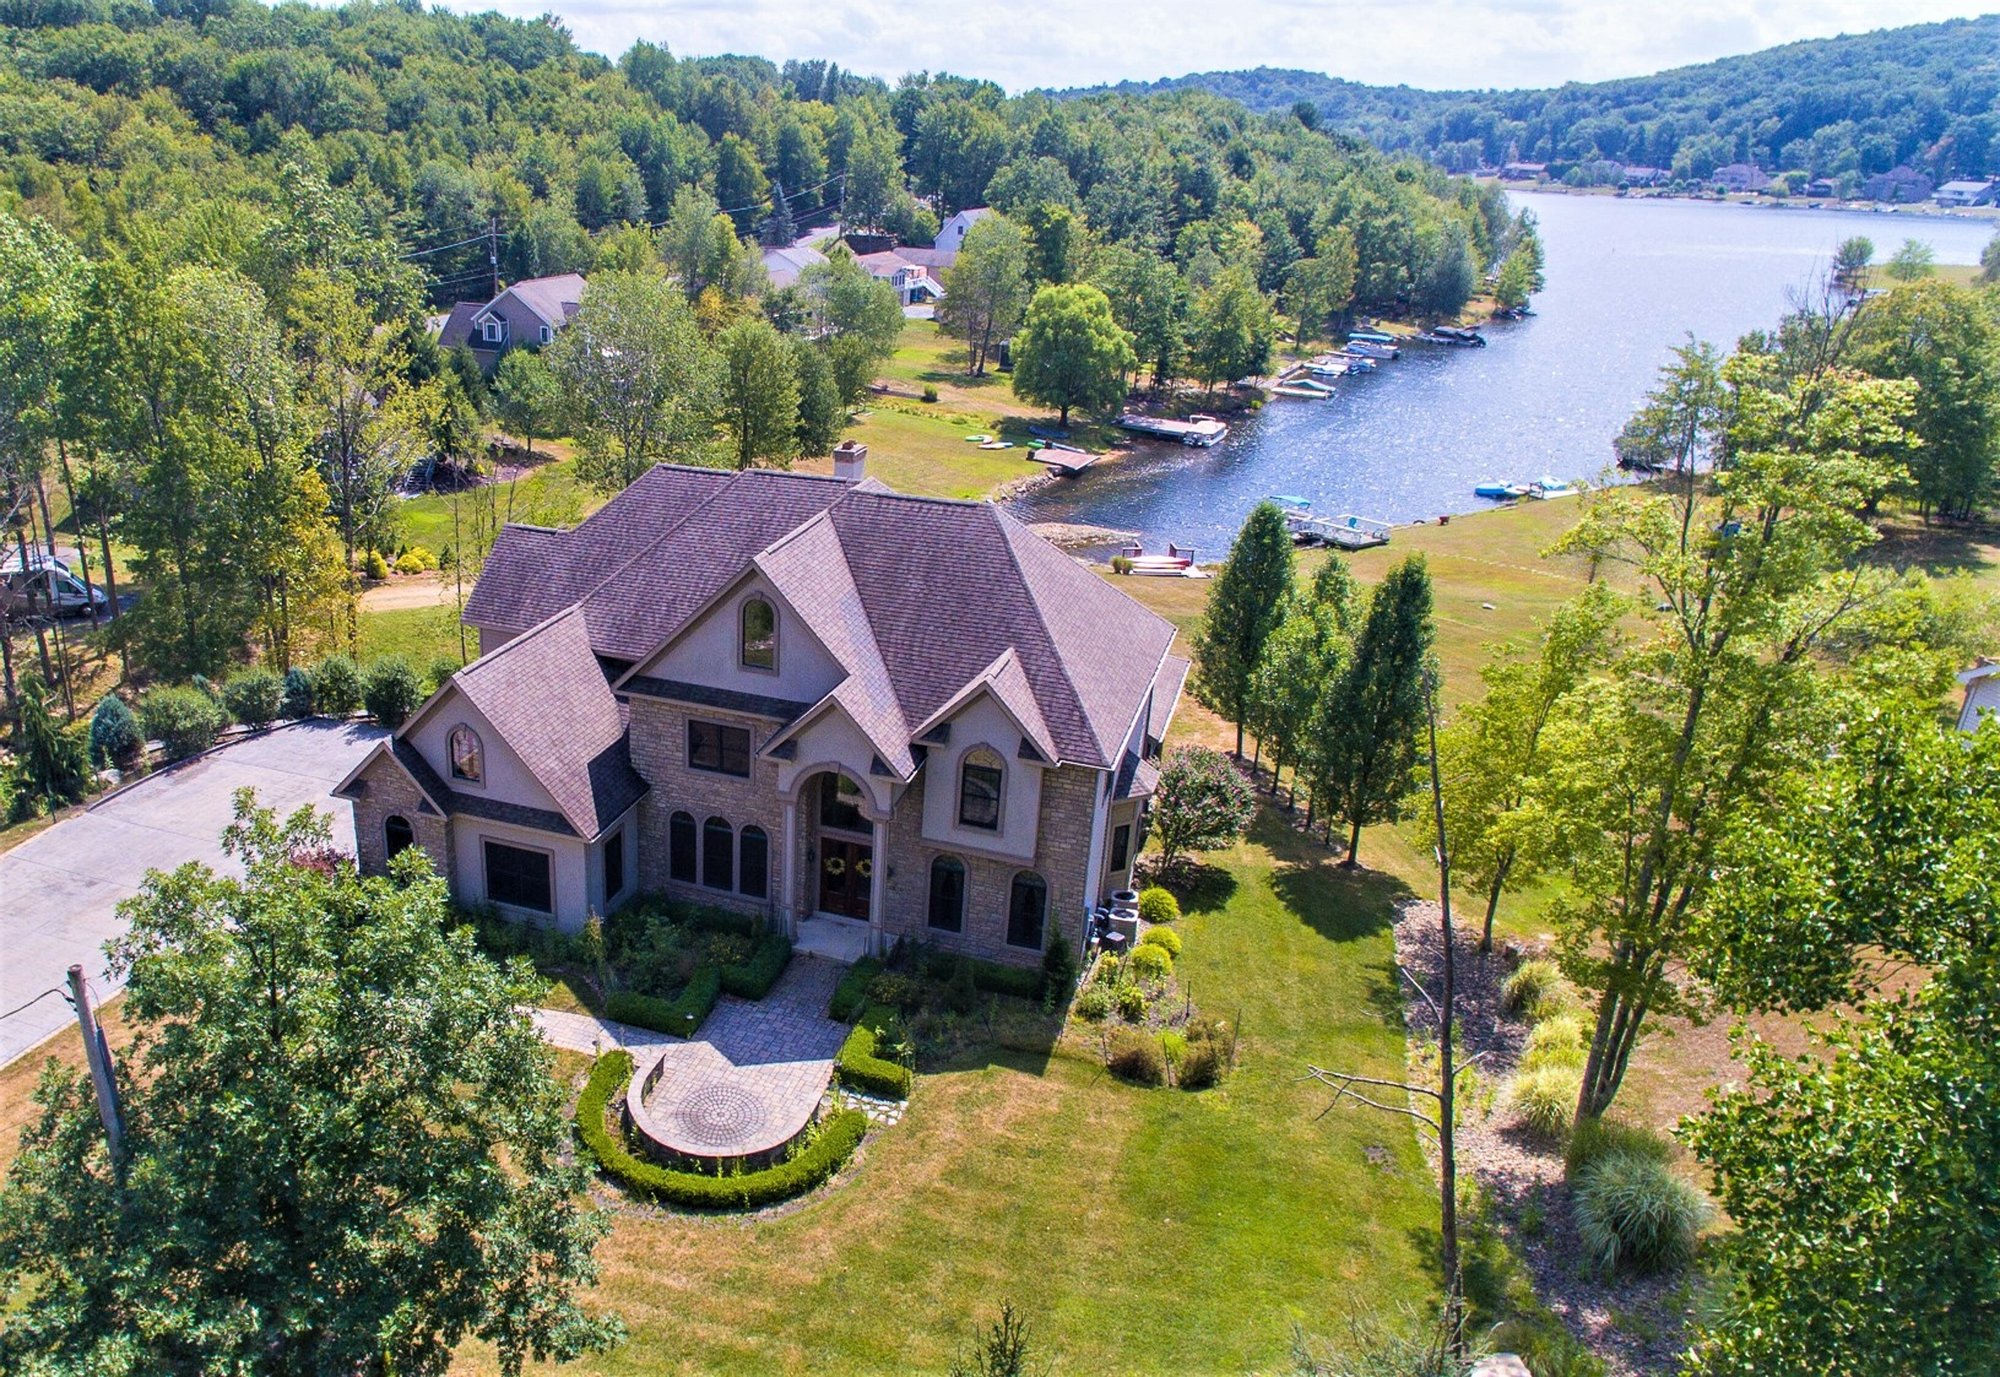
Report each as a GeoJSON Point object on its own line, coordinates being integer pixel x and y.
{"type": "Point", "coordinates": [507, 777]}
{"type": "Point", "coordinates": [707, 650]}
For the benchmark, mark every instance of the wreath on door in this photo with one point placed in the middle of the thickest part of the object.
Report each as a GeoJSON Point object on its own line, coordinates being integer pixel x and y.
{"type": "Point", "coordinates": [864, 868]}
{"type": "Point", "coordinates": [835, 866]}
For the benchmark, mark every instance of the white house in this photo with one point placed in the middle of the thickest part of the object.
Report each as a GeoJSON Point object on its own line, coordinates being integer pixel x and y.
{"type": "Point", "coordinates": [1982, 694]}
{"type": "Point", "coordinates": [1966, 192]}
{"type": "Point", "coordinates": [951, 238]}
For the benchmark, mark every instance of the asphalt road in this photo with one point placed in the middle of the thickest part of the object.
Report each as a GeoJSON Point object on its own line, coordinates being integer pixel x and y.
{"type": "Point", "coordinates": [59, 890]}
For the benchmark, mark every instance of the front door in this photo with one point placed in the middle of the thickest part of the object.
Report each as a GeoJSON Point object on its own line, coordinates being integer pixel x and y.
{"type": "Point", "coordinates": [844, 871]}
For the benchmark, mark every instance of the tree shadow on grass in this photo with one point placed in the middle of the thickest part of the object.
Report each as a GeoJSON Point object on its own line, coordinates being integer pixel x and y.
{"type": "Point", "coordinates": [1200, 888]}
{"type": "Point", "coordinates": [1011, 1033]}
{"type": "Point", "coordinates": [1337, 903]}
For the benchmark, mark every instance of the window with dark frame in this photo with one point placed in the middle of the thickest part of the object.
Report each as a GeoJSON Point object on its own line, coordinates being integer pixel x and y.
{"type": "Point", "coordinates": [947, 907]}
{"type": "Point", "coordinates": [719, 749]}
{"type": "Point", "coordinates": [718, 854]}
{"type": "Point", "coordinates": [1121, 845]}
{"type": "Point", "coordinates": [840, 805]}
{"type": "Point", "coordinates": [979, 792]}
{"type": "Point", "coordinates": [397, 835]}
{"type": "Point", "coordinates": [681, 848]}
{"type": "Point", "coordinates": [614, 866]}
{"type": "Point", "coordinates": [1027, 907]}
{"type": "Point", "coordinates": [468, 757]}
{"type": "Point", "coordinates": [753, 863]}
{"type": "Point", "coordinates": [759, 649]}
{"type": "Point", "coordinates": [518, 877]}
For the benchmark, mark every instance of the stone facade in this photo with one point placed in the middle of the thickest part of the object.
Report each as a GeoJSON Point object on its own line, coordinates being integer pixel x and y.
{"type": "Point", "coordinates": [659, 753]}
{"type": "Point", "coordinates": [390, 792]}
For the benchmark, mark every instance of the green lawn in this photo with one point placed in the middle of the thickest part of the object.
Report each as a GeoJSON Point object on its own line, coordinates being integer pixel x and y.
{"type": "Point", "coordinates": [925, 452]}
{"type": "Point", "coordinates": [550, 495]}
{"type": "Point", "coordinates": [419, 634]}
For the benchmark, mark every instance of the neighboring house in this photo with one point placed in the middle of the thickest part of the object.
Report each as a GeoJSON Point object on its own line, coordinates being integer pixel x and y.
{"type": "Point", "coordinates": [1898, 186]}
{"type": "Point", "coordinates": [951, 236]}
{"type": "Point", "coordinates": [1523, 172]}
{"type": "Point", "coordinates": [810, 697]}
{"type": "Point", "coordinates": [1737, 178]}
{"type": "Point", "coordinates": [1982, 693]}
{"type": "Point", "coordinates": [1639, 174]}
{"type": "Point", "coordinates": [914, 273]}
{"type": "Point", "coordinates": [1966, 193]}
{"type": "Point", "coordinates": [527, 313]}
{"type": "Point", "coordinates": [1820, 188]}
{"type": "Point", "coordinates": [783, 266]}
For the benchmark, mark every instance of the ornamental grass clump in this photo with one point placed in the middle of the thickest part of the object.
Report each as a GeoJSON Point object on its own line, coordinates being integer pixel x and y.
{"type": "Point", "coordinates": [1557, 1041]}
{"type": "Point", "coordinates": [1137, 1056]}
{"type": "Point", "coordinates": [1545, 1099]}
{"type": "Point", "coordinates": [1536, 988]}
{"type": "Point", "coordinates": [1634, 1214]}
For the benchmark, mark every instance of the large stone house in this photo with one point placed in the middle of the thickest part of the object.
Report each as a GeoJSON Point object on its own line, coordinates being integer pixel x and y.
{"type": "Point", "coordinates": [856, 712]}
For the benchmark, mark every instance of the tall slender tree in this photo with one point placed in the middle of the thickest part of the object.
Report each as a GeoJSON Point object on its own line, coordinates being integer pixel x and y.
{"type": "Point", "coordinates": [986, 288]}
{"type": "Point", "coordinates": [759, 398]}
{"type": "Point", "coordinates": [1244, 608]}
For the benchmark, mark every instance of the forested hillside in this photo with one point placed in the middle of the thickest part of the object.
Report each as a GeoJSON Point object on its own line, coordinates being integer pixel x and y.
{"type": "Point", "coordinates": [1927, 95]}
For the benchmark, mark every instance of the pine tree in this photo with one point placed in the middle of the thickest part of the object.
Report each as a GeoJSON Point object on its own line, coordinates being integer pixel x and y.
{"type": "Point", "coordinates": [1366, 741]}
{"type": "Point", "coordinates": [1244, 609]}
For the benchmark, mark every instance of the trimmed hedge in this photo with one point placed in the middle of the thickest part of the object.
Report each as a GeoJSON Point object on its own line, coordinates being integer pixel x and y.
{"type": "Point", "coordinates": [1023, 982]}
{"type": "Point", "coordinates": [754, 978]}
{"type": "Point", "coordinates": [859, 1068]}
{"type": "Point", "coordinates": [850, 996]}
{"type": "Point", "coordinates": [838, 1137]}
{"type": "Point", "coordinates": [681, 1015]}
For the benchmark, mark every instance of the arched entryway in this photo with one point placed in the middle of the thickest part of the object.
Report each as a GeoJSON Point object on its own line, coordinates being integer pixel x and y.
{"type": "Point", "coordinates": [840, 882]}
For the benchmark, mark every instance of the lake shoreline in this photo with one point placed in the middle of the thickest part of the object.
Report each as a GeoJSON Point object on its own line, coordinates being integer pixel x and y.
{"type": "Point", "coordinates": [1983, 215]}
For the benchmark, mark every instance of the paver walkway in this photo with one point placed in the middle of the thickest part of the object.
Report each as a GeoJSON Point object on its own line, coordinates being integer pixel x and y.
{"type": "Point", "coordinates": [754, 1077]}
{"type": "Point", "coordinates": [59, 890]}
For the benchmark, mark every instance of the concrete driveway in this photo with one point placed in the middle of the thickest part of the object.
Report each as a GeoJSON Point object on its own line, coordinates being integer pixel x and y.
{"type": "Point", "coordinates": [59, 890]}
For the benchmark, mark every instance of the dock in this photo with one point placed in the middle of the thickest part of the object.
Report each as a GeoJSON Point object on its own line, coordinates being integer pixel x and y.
{"type": "Point", "coordinates": [1063, 461]}
{"type": "Point", "coordinates": [1200, 431]}
{"type": "Point", "coordinates": [1345, 531]}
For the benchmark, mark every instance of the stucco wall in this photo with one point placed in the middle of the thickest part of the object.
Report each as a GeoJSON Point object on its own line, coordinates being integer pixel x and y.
{"type": "Point", "coordinates": [569, 883]}
{"type": "Point", "coordinates": [983, 724]}
{"type": "Point", "coordinates": [707, 652]}
{"type": "Point", "coordinates": [506, 777]}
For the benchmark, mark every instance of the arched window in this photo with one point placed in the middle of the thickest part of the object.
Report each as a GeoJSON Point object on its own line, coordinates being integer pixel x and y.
{"type": "Point", "coordinates": [397, 835]}
{"type": "Point", "coordinates": [947, 910]}
{"type": "Point", "coordinates": [1027, 906]}
{"type": "Point", "coordinates": [468, 757]}
{"type": "Point", "coordinates": [753, 862]}
{"type": "Point", "coordinates": [979, 781]}
{"type": "Point", "coordinates": [840, 804]}
{"type": "Point", "coordinates": [760, 635]}
{"type": "Point", "coordinates": [681, 847]}
{"type": "Point", "coordinates": [718, 854]}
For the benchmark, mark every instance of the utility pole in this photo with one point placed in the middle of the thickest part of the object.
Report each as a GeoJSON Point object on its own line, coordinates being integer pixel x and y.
{"type": "Point", "coordinates": [493, 251]}
{"type": "Point", "coordinates": [99, 1054]}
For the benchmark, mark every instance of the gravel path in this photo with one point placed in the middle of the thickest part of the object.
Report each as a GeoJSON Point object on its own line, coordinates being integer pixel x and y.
{"type": "Point", "coordinates": [1635, 1324]}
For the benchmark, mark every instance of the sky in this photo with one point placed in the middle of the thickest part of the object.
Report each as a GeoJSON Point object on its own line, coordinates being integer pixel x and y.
{"type": "Point", "coordinates": [1056, 43]}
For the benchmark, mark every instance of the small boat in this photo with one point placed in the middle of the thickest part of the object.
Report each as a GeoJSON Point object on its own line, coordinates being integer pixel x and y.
{"type": "Point", "coordinates": [1454, 335]}
{"type": "Point", "coordinates": [1368, 349]}
{"type": "Point", "coordinates": [1372, 336]}
{"type": "Point", "coordinates": [996, 444]}
{"type": "Point", "coordinates": [1501, 491]}
{"type": "Point", "coordinates": [1357, 363]}
{"type": "Point", "coordinates": [1297, 504]}
{"type": "Point", "coordinates": [1174, 563]}
{"type": "Point", "coordinates": [1556, 487]}
{"type": "Point", "coordinates": [1301, 392]}
{"type": "Point", "coordinates": [977, 438]}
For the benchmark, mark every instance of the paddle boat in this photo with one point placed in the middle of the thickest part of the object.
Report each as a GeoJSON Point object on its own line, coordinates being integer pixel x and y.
{"type": "Point", "coordinates": [996, 444]}
{"type": "Point", "coordinates": [1501, 491]}
{"type": "Point", "coordinates": [1297, 504]}
{"type": "Point", "coordinates": [1550, 487]}
{"type": "Point", "coordinates": [977, 438]}
{"type": "Point", "coordinates": [1303, 391]}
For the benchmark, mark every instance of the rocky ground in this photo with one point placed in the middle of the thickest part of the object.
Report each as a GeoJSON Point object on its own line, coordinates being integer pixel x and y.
{"type": "Point", "coordinates": [1634, 1324]}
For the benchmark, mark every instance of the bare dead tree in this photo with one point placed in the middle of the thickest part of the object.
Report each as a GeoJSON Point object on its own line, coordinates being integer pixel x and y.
{"type": "Point", "coordinates": [1443, 1096]}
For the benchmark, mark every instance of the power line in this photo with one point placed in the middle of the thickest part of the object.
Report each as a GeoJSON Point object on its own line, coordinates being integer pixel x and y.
{"type": "Point", "coordinates": [18, 1008]}
{"type": "Point", "coordinates": [421, 253]}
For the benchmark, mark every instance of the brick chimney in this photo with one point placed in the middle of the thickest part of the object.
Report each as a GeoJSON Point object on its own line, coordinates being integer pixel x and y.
{"type": "Point", "coordinates": [850, 461]}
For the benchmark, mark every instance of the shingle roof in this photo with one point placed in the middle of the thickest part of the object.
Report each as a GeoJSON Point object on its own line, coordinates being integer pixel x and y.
{"type": "Point", "coordinates": [456, 328]}
{"type": "Point", "coordinates": [545, 695]}
{"type": "Point", "coordinates": [554, 299]}
{"type": "Point", "coordinates": [916, 598]}
{"type": "Point", "coordinates": [784, 265]}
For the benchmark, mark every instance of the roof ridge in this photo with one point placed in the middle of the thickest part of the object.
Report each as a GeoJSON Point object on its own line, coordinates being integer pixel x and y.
{"type": "Point", "coordinates": [1041, 621]}
{"type": "Point", "coordinates": [481, 662]}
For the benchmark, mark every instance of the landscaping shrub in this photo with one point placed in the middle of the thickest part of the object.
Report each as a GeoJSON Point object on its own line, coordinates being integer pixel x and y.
{"type": "Point", "coordinates": [681, 1015]}
{"type": "Point", "coordinates": [1131, 1003]}
{"type": "Point", "coordinates": [850, 996]}
{"type": "Point", "coordinates": [1595, 1138]}
{"type": "Point", "coordinates": [391, 691]}
{"type": "Point", "coordinates": [858, 1066]}
{"type": "Point", "coordinates": [184, 720]}
{"type": "Point", "coordinates": [930, 393]}
{"type": "Point", "coordinates": [416, 560]}
{"type": "Point", "coordinates": [1633, 1213]}
{"type": "Point", "coordinates": [1555, 1041]}
{"type": "Point", "coordinates": [1058, 965]}
{"type": "Point", "coordinates": [754, 978]}
{"type": "Point", "coordinates": [114, 734]}
{"type": "Point", "coordinates": [897, 989]}
{"type": "Point", "coordinates": [838, 1136]}
{"type": "Point", "coordinates": [1022, 982]}
{"type": "Point", "coordinates": [1531, 987]}
{"type": "Point", "coordinates": [1136, 1056]}
{"type": "Point", "coordinates": [296, 699]}
{"type": "Point", "coordinates": [1157, 905]}
{"type": "Point", "coordinates": [1546, 1099]}
{"type": "Point", "coordinates": [375, 567]}
{"type": "Point", "coordinates": [1094, 1004]}
{"type": "Point", "coordinates": [1165, 938]}
{"type": "Point", "coordinates": [336, 686]}
{"type": "Point", "coordinates": [254, 697]}
{"type": "Point", "coordinates": [1201, 1065]}
{"type": "Point", "coordinates": [1174, 1043]}
{"type": "Point", "coordinates": [440, 671]}
{"type": "Point", "coordinates": [1121, 564]}
{"type": "Point", "coordinates": [1149, 961]}
{"type": "Point", "coordinates": [961, 993]}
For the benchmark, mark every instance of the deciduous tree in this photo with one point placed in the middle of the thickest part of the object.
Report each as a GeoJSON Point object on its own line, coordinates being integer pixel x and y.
{"type": "Point", "coordinates": [760, 394]}
{"type": "Point", "coordinates": [1230, 331]}
{"type": "Point", "coordinates": [1202, 803]}
{"type": "Point", "coordinates": [526, 396]}
{"type": "Point", "coordinates": [985, 288]}
{"type": "Point", "coordinates": [1071, 352]}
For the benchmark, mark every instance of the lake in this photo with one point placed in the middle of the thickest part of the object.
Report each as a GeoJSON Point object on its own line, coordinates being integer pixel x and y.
{"type": "Point", "coordinates": [1627, 280]}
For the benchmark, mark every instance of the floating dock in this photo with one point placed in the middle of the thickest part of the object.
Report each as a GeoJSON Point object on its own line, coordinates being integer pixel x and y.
{"type": "Point", "coordinates": [1062, 460]}
{"type": "Point", "coordinates": [1346, 532]}
{"type": "Point", "coordinates": [1200, 431]}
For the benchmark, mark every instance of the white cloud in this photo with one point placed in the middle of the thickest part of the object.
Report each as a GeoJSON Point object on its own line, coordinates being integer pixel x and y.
{"type": "Point", "coordinates": [1428, 43]}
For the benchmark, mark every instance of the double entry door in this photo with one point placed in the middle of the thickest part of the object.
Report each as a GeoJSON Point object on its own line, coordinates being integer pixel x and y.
{"type": "Point", "coordinates": [846, 869]}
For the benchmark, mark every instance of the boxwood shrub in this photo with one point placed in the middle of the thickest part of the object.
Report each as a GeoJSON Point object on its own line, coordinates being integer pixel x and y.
{"type": "Point", "coordinates": [860, 1069]}
{"type": "Point", "coordinates": [681, 1015]}
{"type": "Point", "coordinates": [838, 1136]}
{"type": "Point", "coordinates": [184, 720]}
{"type": "Point", "coordinates": [850, 997]}
{"type": "Point", "coordinates": [754, 978]}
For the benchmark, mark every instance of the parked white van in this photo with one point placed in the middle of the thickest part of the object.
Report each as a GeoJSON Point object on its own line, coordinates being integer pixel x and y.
{"type": "Point", "coordinates": [46, 585]}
